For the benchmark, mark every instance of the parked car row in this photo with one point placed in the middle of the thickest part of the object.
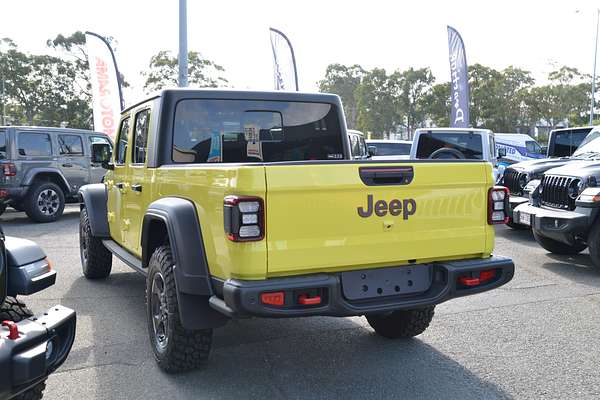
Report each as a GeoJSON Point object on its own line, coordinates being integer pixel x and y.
{"type": "Point", "coordinates": [559, 198]}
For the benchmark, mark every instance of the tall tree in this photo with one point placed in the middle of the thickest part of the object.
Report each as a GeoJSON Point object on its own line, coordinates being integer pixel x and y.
{"type": "Point", "coordinates": [412, 88]}
{"type": "Point", "coordinates": [376, 104]}
{"type": "Point", "coordinates": [344, 81]}
{"type": "Point", "coordinates": [438, 104]}
{"type": "Point", "coordinates": [163, 72]}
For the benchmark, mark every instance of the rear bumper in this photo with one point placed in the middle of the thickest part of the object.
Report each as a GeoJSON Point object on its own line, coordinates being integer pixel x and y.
{"type": "Point", "coordinates": [26, 361]}
{"type": "Point", "coordinates": [242, 298]}
{"type": "Point", "coordinates": [561, 225]}
{"type": "Point", "coordinates": [11, 193]}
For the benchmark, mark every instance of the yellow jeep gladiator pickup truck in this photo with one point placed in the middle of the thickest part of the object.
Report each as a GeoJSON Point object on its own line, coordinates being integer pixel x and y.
{"type": "Point", "coordinates": [238, 204]}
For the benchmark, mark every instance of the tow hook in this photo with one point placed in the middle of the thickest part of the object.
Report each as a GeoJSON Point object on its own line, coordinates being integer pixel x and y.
{"type": "Point", "coordinates": [13, 331]}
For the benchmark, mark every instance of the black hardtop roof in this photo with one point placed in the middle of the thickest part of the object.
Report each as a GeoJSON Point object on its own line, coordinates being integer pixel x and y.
{"type": "Point", "coordinates": [52, 129]}
{"type": "Point", "coordinates": [275, 95]}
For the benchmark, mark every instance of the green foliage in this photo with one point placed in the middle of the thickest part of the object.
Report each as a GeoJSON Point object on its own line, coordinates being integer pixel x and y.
{"type": "Point", "coordinates": [504, 101]}
{"type": "Point", "coordinates": [344, 81]}
{"type": "Point", "coordinates": [439, 104]}
{"type": "Point", "coordinates": [163, 72]}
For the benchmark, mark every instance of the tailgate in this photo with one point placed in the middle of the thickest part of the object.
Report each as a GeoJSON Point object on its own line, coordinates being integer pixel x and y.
{"type": "Point", "coordinates": [342, 216]}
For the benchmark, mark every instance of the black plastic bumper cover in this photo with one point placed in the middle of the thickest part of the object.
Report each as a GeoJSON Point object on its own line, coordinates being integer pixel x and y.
{"type": "Point", "coordinates": [560, 225]}
{"type": "Point", "coordinates": [43, 345]}
{"type": "Point", "coordinates": [242, 298]}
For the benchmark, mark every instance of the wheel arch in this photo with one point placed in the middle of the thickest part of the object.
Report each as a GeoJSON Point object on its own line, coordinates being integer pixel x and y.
{"type": "Point", "coordinates": [47, 174]}
{"type": "Point", "coordinates": [94, 198]}
{"type": "Point", "coordinates": [175, 220]}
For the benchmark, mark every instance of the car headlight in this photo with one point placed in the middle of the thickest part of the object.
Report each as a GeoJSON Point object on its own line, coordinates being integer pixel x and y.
{"type": "Point", "coordinates": [575, 187]}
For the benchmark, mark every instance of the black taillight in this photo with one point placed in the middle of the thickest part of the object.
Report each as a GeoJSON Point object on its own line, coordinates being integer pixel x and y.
{"type": "Point", "coordinates": [498, 205]}
{"type": "Point", "coordinates": [243, 217]}
{"type": "Point", "coordinates": [9, 169]}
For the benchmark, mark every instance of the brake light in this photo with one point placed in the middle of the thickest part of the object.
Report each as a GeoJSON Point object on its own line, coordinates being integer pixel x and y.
{"type": "Point", "coordinates": [9, 169]}
{"type": "Point", "coordinates": [498, 205]}
{"type": "Point", "coordinates": [243, 217]}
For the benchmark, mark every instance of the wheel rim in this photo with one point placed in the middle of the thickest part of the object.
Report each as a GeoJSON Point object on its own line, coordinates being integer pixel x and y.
{"type": "Point", "coordinates": [48, 202]}
{"type": "Point", "coordinates": [158, 306]}
{"type": "Point", "coordinates": [83, 244]}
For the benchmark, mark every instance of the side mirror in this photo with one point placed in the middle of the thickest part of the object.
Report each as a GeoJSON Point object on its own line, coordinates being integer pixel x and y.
{"type": "Point", "coordinates": [501, 152]}
{"type": "Point", "coordinates": [544, 150]}
{"type": "Point", "coordinates": [372, 151]}
{"type": "Point", "coordinates": [101, 154]}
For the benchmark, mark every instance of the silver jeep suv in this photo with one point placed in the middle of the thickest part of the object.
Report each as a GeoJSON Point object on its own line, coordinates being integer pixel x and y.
{"type": "Point", "coordinates": [42, 168]}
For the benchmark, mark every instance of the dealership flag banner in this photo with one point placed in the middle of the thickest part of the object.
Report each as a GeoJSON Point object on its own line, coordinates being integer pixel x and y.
{"type": "Point", "coordinates": [459, 81]}
{"type": "Point", "coordinates": [284, 62]}
{"type": "Point", "coordinates": [107, 100]}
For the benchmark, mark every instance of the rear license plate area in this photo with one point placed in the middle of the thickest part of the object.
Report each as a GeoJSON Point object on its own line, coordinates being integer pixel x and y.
{"type": "Point", "coordinates": [383, 282]}
{"type": "Point", "coordinates": [525, 219]}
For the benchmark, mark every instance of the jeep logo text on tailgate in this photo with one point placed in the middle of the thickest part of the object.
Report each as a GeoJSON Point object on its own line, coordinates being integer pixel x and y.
{"type": "Point", "coordinates": [406, 207]}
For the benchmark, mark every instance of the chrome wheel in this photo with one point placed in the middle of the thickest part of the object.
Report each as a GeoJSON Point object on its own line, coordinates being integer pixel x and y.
{"type": "Point", "coordinates": [48, 202]}
{"type": "Point", "coordinates": [160, 311]}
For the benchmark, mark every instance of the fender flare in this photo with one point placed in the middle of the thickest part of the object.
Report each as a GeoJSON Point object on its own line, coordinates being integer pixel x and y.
{"type": "Point", "coordinates": [32, 173]}
{"type": "Point", "coordinates": [94, 198]}
{"type": "Point", "coordinates": [192, 275]}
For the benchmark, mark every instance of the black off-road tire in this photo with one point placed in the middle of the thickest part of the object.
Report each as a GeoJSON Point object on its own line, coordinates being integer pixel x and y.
{"type": "Point", "coordinates": [96, 260]}
{"type": "Point", "coordinates": [183, 349]}
{"type": "Point", "coordinates": [594, 244]}
{"type": "Point", "coordinates": [15, 310]}
{"type": "Point", "coordinates": [517, 227]}
{"type": "Point", "coordinates": [33, 207]}
{"type": "Point", "coordinates": [402, 324]}
{"type": "Point", "coordinates": [559, 248]}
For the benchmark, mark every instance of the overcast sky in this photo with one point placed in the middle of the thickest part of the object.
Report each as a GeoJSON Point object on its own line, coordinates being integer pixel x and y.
{"type": "Point", "coordinates": [392, 35]}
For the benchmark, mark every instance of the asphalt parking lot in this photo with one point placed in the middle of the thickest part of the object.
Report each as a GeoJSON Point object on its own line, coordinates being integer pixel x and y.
{"type": "Point", "coordinates": [537, 337]}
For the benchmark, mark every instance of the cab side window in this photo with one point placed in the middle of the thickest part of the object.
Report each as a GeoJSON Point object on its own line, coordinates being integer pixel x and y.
{"type": "Point", "coordinates": [122, 142]}
{"type": "Point", "coordinates": [70, 145]}
{"type": "Point", "coordinates": [140, 137]}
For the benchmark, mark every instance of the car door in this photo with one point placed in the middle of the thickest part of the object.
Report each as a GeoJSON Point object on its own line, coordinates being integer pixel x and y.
{"type": "Point", "coordinates": [115, 183]}
{"type": "Point", "coordinates": [72, 160]}
{"type": "Point", "coordinates": [96, 171]}
{"type": "Point", "coordinates": [136, 200]}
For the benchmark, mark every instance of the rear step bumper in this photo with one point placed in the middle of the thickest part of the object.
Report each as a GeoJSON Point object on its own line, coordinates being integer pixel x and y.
{"type": "Point", "coordinates": [243, 298]}
{"type": "Point", "coordinates": [41, 344]}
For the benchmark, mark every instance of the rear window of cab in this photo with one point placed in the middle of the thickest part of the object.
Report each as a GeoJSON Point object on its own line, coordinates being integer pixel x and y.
{"type": "Point", "coordinates": [243, 131]}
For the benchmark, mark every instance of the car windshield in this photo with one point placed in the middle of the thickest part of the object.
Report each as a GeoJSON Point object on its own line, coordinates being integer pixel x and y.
{"type": "Point", "coordinates": [591, 144]}
{"type": "Point", "coordinates": [469, 144]}
{"type": "Point", "coordinates": [391, 148]}
{"type": "Point", "coordinates": [533, 147]}
{"type": "Point", "coordinates": [566, 142]}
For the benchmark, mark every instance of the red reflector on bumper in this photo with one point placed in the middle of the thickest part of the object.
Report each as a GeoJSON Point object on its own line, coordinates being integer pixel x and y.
{"type": "Point", "coordinates": [273, 298]}
{"type": "Point", "coordinates": [308, 301]}
{"type": "Point", "coordinates": [484, 276]}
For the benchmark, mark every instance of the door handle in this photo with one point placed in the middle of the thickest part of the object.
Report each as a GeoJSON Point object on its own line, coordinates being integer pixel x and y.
{"type": "Point", "coordinates": [67, 165]}
{"type": "Point", "coordinates": [136, 187]}
{"type": "Point", "coordinates": [120, 185]}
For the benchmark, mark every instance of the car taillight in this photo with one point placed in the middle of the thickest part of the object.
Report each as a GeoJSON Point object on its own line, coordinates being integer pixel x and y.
{"type": "Point", "coordinates": [498, 205]}
{"type": "Point", "coordinates": [9, 169]}
{"type": "Point", "coordinates": [243, 217]}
